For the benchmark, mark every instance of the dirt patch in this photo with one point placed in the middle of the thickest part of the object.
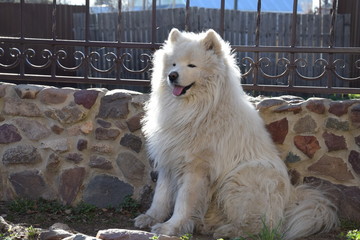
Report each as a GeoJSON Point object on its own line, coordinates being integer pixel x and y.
{"type": "Point", "coordinates": [89, 220]}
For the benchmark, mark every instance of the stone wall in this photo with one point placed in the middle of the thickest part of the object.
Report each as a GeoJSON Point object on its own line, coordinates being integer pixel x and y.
{"type": "Point", "coordinates": [86, 145]}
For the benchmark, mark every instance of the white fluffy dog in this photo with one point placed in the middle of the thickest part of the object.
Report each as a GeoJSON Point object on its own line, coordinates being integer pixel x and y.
{"type": "Point", "coordinates": [219, 171]}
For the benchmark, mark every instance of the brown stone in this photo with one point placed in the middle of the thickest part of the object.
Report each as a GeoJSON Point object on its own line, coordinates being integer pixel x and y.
{"type": "Point", "coordinates": [357, 140]}
{"type": "Point", "coordinates": [278, 130]}
{"type": "Point", "coordinates": [305, 125]}
{"type": "Point", "coordinates": [57, 129]}
{"type": "Point", "coordinates": [86, 98]}
{"type": "Point", "coordinates": [346, 199]}
{"type": "Point", "coordinates": [70, 182]}
{"type": "Point", "coordinates": [340, 108]}
{"type": "Point", "coordinates": [103, 123]}
{"type": "Point", "coordinates": [307, 144]}
{"type": "Point", "coordinates": [355, 116]}
{"type": "Point", "coordinates": [74, 157]}
{"type": "Point", "coordinates": [9, 134]}
{"type": "Point", "coordinates": [100, 162]}
{"type": "Point", "coordinates": [131, 141]}
{"type": "Point", "coordinates": [354, 160]}
{"type": "Point", "coordinates": [334, 142]}
{"type": "Point", "coordinates": [295, 108]}
{"type": "Point", "coordinates": [33, 129]}
{"type": "Point", "coordinates": [130, 166]}
{"type": "Point", "coordinates": [134, 123]}
{"type": "Point", "coordinates": [53, 95]}
{"type": "Point", "coordinates": [114, 105]}
{"type": "Point", "coordinates": [316, 106]}
{"type": "Point", "coordinates": [106, 134]}
{"type": "Point", "coordinates": [294, 176]}
{"type": "Point", "coordinates": [332, 166]}
{"type": "Point", "coordinates": [82, 144]}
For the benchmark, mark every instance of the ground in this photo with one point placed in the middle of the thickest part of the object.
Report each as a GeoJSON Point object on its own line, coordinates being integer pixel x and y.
{"type": "Point", "coordinates": [29, 215]}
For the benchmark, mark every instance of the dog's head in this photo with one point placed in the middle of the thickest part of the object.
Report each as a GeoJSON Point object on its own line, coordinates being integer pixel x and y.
{"type": "Point", "coordinates": [190, 64]}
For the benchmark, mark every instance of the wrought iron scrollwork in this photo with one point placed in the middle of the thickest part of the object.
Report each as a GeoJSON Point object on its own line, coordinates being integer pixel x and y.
{"type": "Point", "coordinates": [14, 53]}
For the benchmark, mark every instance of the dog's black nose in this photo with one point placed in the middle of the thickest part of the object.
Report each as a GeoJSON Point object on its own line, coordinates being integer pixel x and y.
{"type": "Point", "coordinates": [173, 76]}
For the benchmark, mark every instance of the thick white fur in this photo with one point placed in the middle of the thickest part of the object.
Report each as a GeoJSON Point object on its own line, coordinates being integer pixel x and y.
{"type": "Point", "coordinates": [219, 171]}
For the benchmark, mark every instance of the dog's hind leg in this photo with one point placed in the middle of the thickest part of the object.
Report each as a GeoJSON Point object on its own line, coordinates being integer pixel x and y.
{"type": "Point", "coordinates": [191, 201]}
{"type": "Point", "coordinates": [250, 198]}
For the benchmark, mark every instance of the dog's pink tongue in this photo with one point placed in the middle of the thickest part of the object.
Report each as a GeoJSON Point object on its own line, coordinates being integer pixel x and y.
{"type": "Point", "coordinates": [177, 90]}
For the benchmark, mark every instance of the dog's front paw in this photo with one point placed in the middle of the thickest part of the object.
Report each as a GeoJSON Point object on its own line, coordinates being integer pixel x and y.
{"type": "Point", "coordinates": [164, 229]}
{"type": "Point", "coordinates": [144, 220]}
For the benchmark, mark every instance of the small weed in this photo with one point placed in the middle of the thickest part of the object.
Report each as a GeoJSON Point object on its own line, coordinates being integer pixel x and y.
{"type": "Point", "coordinates": [21, 206]}
{"type": "Point", "coordinates": [32, 233]}
{"type": "Point", "coordinates": [266, 233]}
{"type": "Point", "coordinates": [186, 236]}
{"type": "Point", "coordinates": [155, 237]}
{"type": "Point", "coordinates": [130, 206]}
{"type": "Point", "coordinates": [351, 235]}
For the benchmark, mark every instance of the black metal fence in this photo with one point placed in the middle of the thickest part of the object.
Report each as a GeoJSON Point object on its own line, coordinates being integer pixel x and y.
{"type": "Point", "coordinates": [59, 58]}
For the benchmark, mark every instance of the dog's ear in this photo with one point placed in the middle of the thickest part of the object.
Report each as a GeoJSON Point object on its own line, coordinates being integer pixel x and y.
{"type": "Point", "coordinates": [212, 41]}
{"type": "Point", "coordinates": [174, 35]}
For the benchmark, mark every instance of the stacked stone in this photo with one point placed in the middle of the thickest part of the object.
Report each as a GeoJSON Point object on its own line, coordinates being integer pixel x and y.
{"type": "Point", "coordinates": [70, 144]}
{"type": "Point", "coordinates": [319, 139]}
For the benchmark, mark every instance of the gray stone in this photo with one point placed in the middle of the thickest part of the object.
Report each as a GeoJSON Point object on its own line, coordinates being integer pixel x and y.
{"type": "Point", "coordinates": [28, 184]}
{"type": "Point", "coordinates": [333, 123]}
{"type": "Point", "coordinates": [33, 129]}
{"type": "Point", "coordinates": [305, 125]}
{"type": "Point", "coordinates": [57, 145]}
{"type": "Point", "coordinates": [100, 162]}
{"type": "Point", "coordinates": [130, 166]}
{"type": "Point", "coordinates": [70, 183]}
{"type": "Point", "coordinates": [106, 191]}
{"type": "Point", "coordinates": [67, 115]}
{"type": "Point", "coordinates": [2, 90]}
{"type": "Point", "coordinates": [55, 234]}
{"type": "Point", "coordinates": [53, 163]}
{"type": "Point", "coordinates": [131, 141]}
{"type": "Point", "coordinates": [269, 102]}
{"type": "Point", "coordinates": [125, 234]}
{"type": "Point", "coordinates": [27, 91]}
{"type": "Point", "coordinates": [21, 154]}
{"type": "Point", "coordinates": [114, 105]}
{"type": "Point", "coordinates": [292, 158]}
{"type": "Point", "coordinates": [19, 107]}
{"type": "Point", "coordinates": [295, 108]}
{"type": "Point", "coordinates": [80, 236]}
{"type": "Point", "coordinates": [106, 134]}
{"type": "Point", "coordinates": [9, 134]}
{"type": "Point", "coordinates": [86, 98]}
{"type": "Point", "coordinates": [357, 140]}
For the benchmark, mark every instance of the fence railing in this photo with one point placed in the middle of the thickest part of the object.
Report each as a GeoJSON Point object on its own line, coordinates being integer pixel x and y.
{"type": "Point", "coordinates": [276, 52]}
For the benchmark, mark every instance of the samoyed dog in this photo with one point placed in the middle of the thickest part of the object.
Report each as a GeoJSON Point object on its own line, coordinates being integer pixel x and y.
{"type": "Point", "coordinates": [218, 170]}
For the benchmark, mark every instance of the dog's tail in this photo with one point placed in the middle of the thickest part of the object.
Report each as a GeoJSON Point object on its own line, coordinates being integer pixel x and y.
{"type": "Point", "coordinates": [309, 212]}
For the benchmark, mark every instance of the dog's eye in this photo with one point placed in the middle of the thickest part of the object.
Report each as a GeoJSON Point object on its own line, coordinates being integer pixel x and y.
{"type": "Point", "coordinates": [191, 65]}
{"type": "Point", "coordinates": [174, 64]}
